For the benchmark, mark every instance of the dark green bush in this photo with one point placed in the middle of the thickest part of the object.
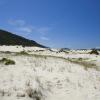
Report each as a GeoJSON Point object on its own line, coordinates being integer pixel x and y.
{"type": "Point", "coordinates": [7, 61]}
{"type": "Point", "coordinates": [10, 62]}
{"type": "Point", "coordinates": [94, 51]}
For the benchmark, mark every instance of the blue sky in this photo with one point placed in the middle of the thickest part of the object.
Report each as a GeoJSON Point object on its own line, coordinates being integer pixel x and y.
{"type": "Point", "coordinates": [54, 23]}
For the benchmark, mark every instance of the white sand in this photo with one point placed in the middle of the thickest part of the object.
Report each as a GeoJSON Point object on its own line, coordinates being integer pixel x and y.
{"type": "Point", "coordinates": [55, 78]}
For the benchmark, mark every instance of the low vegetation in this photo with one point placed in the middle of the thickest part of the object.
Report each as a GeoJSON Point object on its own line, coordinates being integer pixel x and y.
{"type": "Point", "coordinates": [83, 62]}
{"type": "Point", "coordinates": [34, 94]}
{"type": "Point", "coordinates": [22, 53]}
{"type": "Point", "coordinates": [7, 61]}
{"type": "Point", "coordinates": [94, 51]}
{"type": "Point", "coordinates": [4, 93]}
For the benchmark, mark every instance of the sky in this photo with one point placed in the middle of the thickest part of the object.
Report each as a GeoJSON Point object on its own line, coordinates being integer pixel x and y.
{"type": "Point", "coordinates": [54, 23]}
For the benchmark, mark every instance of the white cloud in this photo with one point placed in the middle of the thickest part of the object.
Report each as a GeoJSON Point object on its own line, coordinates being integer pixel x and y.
{"type": "Point", "coordinates": [43, 30]}
{"type": "Point", "coordinates": [22, 28]}
{"type": "Point", "coordinates": [44, 38]}
{"type": "Point", "coordinates": [26, 29]}
{"type": "Point", "coordinates": [17, 22]}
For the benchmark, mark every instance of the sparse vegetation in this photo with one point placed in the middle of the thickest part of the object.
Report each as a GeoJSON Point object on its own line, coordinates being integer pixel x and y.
{"type": "Point", "coordinates": [65, 50]}
{"type": "Point", "coordinates": [7, 61]}
{"type": "Point", "coordinates": [94, 51]}
{"type": "Point", "coordinates": [30, 80]}
{"type": "Point", "coordinates": [4, 93]}
{"type": "Point", "coordinates": [34, 94]}
{"type": "Point", "coordinates": [83, 62]}
{"type": "Point", "coordinates": [22, 53]}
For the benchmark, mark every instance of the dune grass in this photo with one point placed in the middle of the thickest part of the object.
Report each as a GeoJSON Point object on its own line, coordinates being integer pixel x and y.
{"type": "Point", "coordinates": [7, 61]}
{"type": "Point", "coordinates": [83, 62]}
{"type": "Point", "coordinates": [22, 53]}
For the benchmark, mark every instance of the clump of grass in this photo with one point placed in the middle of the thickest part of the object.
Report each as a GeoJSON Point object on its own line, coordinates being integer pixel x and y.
{"type": "Point", "coordinates": [4, 93]}
{"type": "Point", "coordinates": [22, 53]}
{"type": "Point", "coordinates": [34, 94]}
{"type": "Point", "coordinates": [10, 62]}
{"type": "Point", "coordinates": [94, 51]}
{"type": "Point", "coordinates": [7, 61]}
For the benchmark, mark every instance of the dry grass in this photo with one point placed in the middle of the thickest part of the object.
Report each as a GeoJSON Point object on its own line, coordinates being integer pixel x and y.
{"type": "Point", "coordinates": [83, 62]}
{"type": "Point", "coordinates": [22, 53]}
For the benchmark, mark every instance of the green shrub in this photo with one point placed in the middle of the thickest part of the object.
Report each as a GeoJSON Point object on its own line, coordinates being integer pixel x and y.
{"type": "Point", "coordinates": [94, 51]}
{"type": "Point", "coordinates": [10, 62]}
{"type": "Point", "coordinates": [7, 61]}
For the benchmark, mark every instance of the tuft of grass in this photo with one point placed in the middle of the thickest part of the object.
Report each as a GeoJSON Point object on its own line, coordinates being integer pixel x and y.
{"type": "Point", "coordinates": [22, 53]}
{"type": "Point", "coordinates": [34, 94]}
{"type": "Point", "coordinates": [4, 93]}
{"type": "Point", "coordinates": [7, 61]}
{"type": "Point", "coordinates": [10, 62]}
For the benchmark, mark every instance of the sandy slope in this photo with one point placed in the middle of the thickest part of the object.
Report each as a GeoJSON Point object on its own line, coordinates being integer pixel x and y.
{"type": "Point", "coordinates": [49, 78]}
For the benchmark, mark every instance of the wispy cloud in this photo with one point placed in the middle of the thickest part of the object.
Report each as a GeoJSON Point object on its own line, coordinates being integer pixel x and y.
{"type": "Point", "coordinates": [26, 29]}
{"type": "Point", "coordinates": [21, 27]}
{"type": "Point", "coordinates": [43, 30]}
{"type": "Point", "coordinates": [17, 22]}
{"type": "Point", "coordinates": [44, 38]}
